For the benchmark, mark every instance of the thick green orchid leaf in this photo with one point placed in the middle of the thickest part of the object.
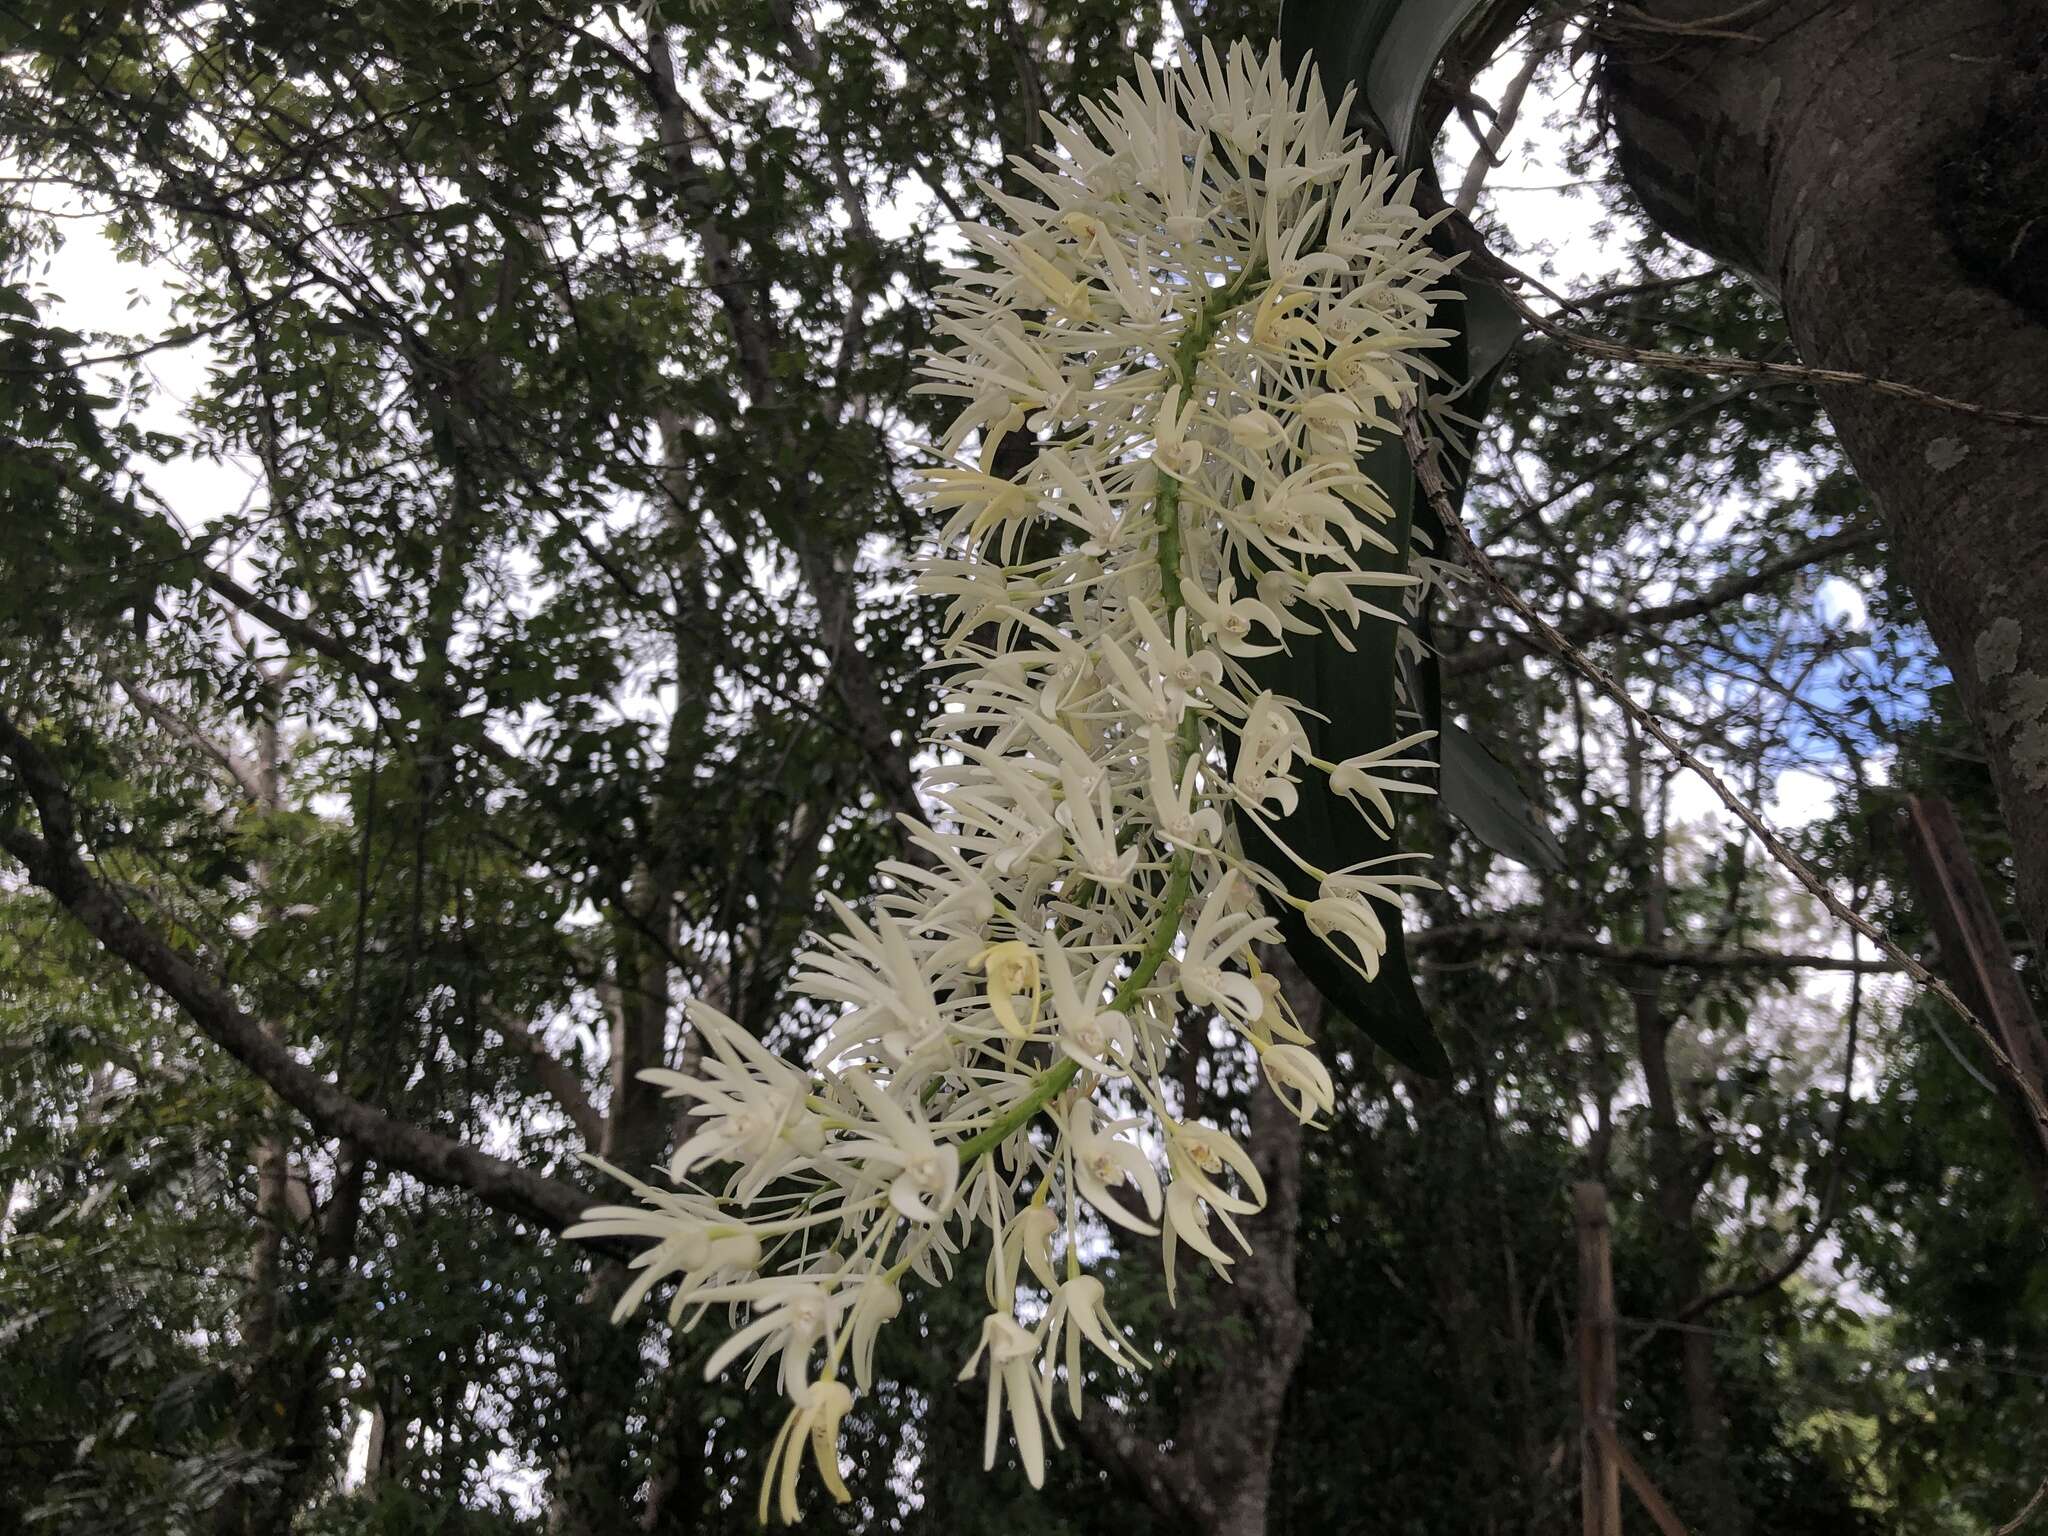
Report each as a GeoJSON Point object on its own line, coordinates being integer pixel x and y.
{"type": "Point", "coordinates": [1386, 48]}
{"type": "Point", "coordinates": [1474, 787]}
{"type": "Point", "coordinates": [1352, 704]}
{"type": "Point", "coordinates": [1484, 795]}
{"type": "Point", "coordinates": [1352, 707]}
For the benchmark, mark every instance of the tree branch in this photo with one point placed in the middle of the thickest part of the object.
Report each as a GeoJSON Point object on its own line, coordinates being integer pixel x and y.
{"type": "Point", "coordinates": [1542, 43]}
{"type": "Point", "coordinates": [2020, 1520]}
{"type": "Point", "coordinates": [555, 1076]}
{"type": "Point", "coordinates": [1430, 477]}
{"type": "Point", "coordinates": [1602, 622]}
{"type": "Point", "coordinates": [53, 862]}
{"type": "Point", "coordinates": [1752, 368]}
{"type": "Point", "coordinates": [1824, 1212]}
{"type": "Point", "coordinates": [852, 679]}
{"type": "Point", "coordinates": [1162, 1479]}
{"type": "Point", "coordinates": [1699, 957]}
{"type": "Point", "coordinates": [238, 768]}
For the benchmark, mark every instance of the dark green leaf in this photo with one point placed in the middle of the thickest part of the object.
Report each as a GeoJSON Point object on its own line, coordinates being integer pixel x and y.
{"type": "Point", "coordinates": [1388, 49]}
{"type": "Point", "coordinates": [1353, 692]}
{"type": "Point", "coordinates": [1482, 793]}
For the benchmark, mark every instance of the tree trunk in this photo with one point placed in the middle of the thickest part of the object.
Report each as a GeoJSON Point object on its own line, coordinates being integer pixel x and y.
{"type": "Point", "coordinates": [1881, 166]}
{"type": "Point", "coordinates": [1217, 1479]}
{"type": "Point", "coordinates": [1229, 1434]}
{"type": "Point", "coordinates": [1674, 1198]}
{"type": "Point", "coordinates": [1676, 1163]}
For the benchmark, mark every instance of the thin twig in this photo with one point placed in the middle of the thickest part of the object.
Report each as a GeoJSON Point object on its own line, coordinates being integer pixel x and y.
{"type": "Point", "coordinates": [1583, 302]}
{"type": "Point", "coordinates": [1432, 482]}
{"type": "Point", "coordinates": [1596, 623]}
{"type": "Point", "coordinates": [1752, 368]}
{"type": "Point", "coordinates": [2020, 1519]}
{"type": "Point", "coordinates": [1665, 29]}
{"type": "Point", "coordinates": [1495, 935]}
{"type": "Point", "coordinates": [1489, 154]}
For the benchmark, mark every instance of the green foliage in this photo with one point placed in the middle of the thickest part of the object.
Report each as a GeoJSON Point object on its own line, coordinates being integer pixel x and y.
{"type": "Point", "coordinates": [563, 727]}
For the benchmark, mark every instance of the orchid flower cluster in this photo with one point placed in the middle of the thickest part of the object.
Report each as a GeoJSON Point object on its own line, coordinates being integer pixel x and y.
{"type": "Point", "coordinates": [1209, 303]}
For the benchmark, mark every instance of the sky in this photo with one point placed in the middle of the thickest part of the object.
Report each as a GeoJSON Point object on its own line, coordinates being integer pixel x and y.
{"type": "Point", "coordinates": [1547, 208]}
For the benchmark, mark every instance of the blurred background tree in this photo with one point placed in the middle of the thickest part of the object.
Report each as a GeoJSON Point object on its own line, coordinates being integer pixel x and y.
{"type": "Point", "coordinates": [501, 636]}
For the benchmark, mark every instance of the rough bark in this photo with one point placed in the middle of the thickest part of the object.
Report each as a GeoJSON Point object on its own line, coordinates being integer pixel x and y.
{"type": "Point", "coordinates": [1674, 1197]}
{"type": "Point", "coordinates": [1881, 166]}
{"type": "Point", "coordinates": [1230, 1434]}
{"type": "Point", "coordinates": [636, 1128]}
{"type": "Point", "coordinates": [299, 1389]}
{"type": "Point", "coordinates": [273, 1148]}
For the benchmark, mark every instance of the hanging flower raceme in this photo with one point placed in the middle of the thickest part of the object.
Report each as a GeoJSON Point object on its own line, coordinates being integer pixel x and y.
{"type": "Point", "coordinates": [1213, 297]}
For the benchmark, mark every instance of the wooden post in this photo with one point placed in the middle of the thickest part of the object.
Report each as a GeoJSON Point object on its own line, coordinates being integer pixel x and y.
{"type": "Point", "coordinates": [1603, 1460]}
{"type": "Point", "coordinates": [1974, 952]}
{"type": "Point", "coordinates": [1640, 1485]}
{"type": "Point", "coordinates": [1600, 1470]}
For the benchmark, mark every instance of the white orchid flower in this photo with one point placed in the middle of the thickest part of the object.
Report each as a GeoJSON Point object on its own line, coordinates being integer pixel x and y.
{"type": "Point", "coordinates": [1200, 306]}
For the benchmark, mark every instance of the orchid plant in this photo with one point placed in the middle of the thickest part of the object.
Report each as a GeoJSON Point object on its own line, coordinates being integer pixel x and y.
{"type": "Point", "coordinates": [1214, 296]}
